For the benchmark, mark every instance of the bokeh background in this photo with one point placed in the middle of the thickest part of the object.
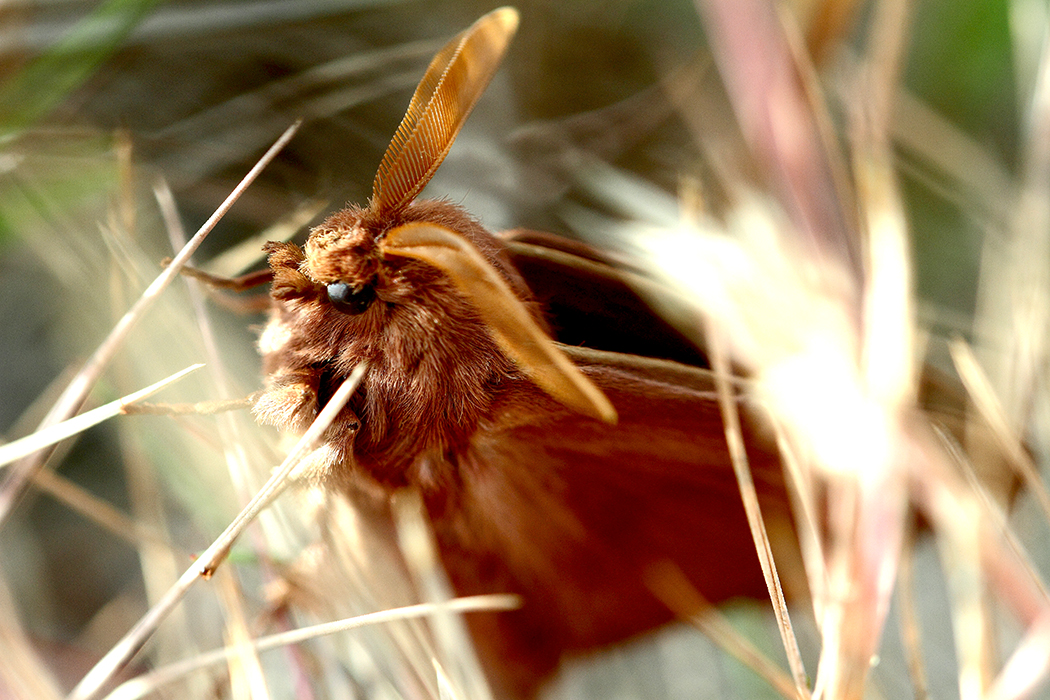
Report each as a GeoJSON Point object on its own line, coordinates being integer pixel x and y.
{"type": "Point", "coordinates": [99, 102]}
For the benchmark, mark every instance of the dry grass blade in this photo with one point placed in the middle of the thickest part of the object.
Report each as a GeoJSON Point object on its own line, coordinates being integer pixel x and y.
{"type": "Point", "coordinates": [807, 518]}
{"type": "Point", "coordinates": [1028, 665]}
{"type": "Point", "coordinates": [911, 633]}
{"type": "Point", "coordinates": [93, 683]}
{"type": "Point", "coordinates": [966, 585]}
{"type": "Point", "coordinates": [771, 100]}
{"type": "Point", "coordinates": [669, 585]}
{"type": "Point", "coordinates": [245, 669]}
{"type": "Point", "coordinates": [245, 672]}
{"type": "Point", "coordinates": [74, 395]}
{"type": "Point", "coordinates": [1013, 321]}
{"type": "Point", "coordinates": [746, 484]}
{"type": "Point", "coordinates": [446, 691]}
{"type": "Point", "coordinates": [453, 657]}
{"type": "Point", "coordinates": [821, 316]}
{"type": "Point", "coordinates": [868, 511]}
{"type": "Point", "coordinates": [983, 395]}
{"type": "Point", "coordinates": [45, 437]}
{"type": "Point", "coordinates": [153, 681]}
{"type": "Point", "coordinates": [973, 538]}
{"type": "Point", "coordinates": [199, 408]}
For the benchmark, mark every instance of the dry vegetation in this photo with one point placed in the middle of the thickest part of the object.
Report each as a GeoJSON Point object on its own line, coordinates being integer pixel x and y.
{"type": "Point", "coordinates": [770, 195]}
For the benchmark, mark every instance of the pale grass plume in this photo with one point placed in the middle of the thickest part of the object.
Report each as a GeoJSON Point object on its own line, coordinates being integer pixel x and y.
{"type": "Point", "coordinates": [829, 331]}
{"type": "Point", "coordinates": [818, 309]}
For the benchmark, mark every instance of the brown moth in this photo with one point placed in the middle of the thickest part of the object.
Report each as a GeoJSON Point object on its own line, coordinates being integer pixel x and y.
{"type": "Point", "coordinates": [559, 473]}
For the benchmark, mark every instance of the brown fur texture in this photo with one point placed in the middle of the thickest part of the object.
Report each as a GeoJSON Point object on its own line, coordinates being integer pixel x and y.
{"type": "Point", "coordinates": [525, 496]}
{"type": "Point", "coordinates": [433, 367]}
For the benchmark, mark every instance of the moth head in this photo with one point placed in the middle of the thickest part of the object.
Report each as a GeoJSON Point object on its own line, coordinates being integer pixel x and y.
{"type": "Point", "coordinates": [342, 254]}
{"type": "Point", "coordinates": [348, 255]}
{"type": "Point", "coordinates": [390, 282]}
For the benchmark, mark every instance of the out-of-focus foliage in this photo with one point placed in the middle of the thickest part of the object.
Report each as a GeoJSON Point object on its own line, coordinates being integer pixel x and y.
{"type": "Point", "coordinates": [199, 88]}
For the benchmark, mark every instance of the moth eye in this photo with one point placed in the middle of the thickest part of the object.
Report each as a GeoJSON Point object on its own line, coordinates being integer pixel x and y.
{"type": "Point", "coordinates": [349, 300]}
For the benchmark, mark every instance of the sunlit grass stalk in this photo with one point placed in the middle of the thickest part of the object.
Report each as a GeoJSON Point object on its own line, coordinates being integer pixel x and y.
{"type": "Point", "coordinates": [117, 657]}
{"type": "Point", "coordinates": [77, 391]}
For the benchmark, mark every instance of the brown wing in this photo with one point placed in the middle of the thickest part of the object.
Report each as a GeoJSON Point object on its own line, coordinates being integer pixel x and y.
{"type": "Point", "coordinates": [570, 513]}
{"type": "Point", "coordinates": [594, 303]}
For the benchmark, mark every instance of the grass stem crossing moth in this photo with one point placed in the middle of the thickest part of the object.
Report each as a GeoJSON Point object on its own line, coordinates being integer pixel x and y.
{"type": "Point", "coordinates": [562, 473]}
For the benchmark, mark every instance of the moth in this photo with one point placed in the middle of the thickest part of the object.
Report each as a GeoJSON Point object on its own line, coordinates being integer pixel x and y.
{"type": "Point", "coordinates": [560, 472]}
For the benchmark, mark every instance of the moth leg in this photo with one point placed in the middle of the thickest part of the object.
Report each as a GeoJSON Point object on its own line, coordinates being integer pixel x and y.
{"type": "Point", "coordinates": [243, 283]}
{"type": "Point", "coordinates": [256, 303]}
{"type": "Point", "coordinates": [215, 285]}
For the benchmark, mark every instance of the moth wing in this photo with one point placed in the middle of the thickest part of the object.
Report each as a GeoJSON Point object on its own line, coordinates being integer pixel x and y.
{"type": "Point", "coordinates": [452, 84]}
{"type": "Point", "coordinates": [575, 513]}
{"type": "Point", "coordinates": [592, 301]}
{"type": "Point", "coordinates": [595, 301]}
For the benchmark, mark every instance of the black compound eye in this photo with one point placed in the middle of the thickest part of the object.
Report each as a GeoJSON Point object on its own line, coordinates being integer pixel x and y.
{"type": "Point", "coordinates": [349, 300]}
